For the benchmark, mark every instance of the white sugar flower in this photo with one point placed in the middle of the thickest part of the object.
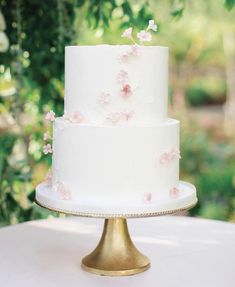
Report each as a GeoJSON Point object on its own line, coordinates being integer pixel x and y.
{"type": "Point", "coordinates": [4, 42]}
{"type": "Point", "coordinates": [127, 33]}
{"type": "Point", "coordinates": [144, 36]}
{"type": "Point", "coordinates": [152, 26]}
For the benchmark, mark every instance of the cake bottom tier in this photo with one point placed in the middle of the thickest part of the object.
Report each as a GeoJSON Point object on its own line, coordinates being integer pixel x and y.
{"type": "Point", "coordinates": [115, 164]}
{"type": "Point", "coordinates": [47, 197]}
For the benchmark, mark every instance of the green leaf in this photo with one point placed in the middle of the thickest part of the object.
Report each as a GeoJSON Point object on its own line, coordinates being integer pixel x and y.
{"type": "Point", "coordinates": [127, 10]}
{"type": "Point", "coordinates": [229, 4]}
{"type": "Point", "coordinates": [177, 13]}
{"type": "Point", "coordinates": [31, 196]}
{"type": "Point", "coordinates": [177, 8]}
{"type": "Point", "coordinates": [80, 3]}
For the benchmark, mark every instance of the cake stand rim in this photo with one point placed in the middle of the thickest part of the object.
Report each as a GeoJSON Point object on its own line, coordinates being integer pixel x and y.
{"type": "Point", "coordinates": [125, 215]}
{"type": "Point", "coordinates": [129, 215]}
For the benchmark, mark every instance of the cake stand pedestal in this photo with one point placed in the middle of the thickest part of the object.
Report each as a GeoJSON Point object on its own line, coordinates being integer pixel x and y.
{"type": "Point", "coordinates": [116, 254]}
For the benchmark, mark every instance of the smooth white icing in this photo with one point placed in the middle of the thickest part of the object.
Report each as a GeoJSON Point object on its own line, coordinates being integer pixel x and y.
{"type": "Point", "coordinates": [93, 70]}
{"type": "Point", "coordinates": [116, 152]}
{"type": "Point", "coordinates": [118, 163]}
{"type": "Point", "coordinates": [49, 198]}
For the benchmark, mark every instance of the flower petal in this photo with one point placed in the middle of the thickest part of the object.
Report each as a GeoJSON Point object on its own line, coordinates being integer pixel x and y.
{"type": "Point", "coordinates": [127, 33]}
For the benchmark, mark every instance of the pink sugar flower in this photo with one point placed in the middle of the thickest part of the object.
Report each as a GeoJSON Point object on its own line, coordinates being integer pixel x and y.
{"type": "Point", "coordinates": [135, 50]}
{"type": "Point", "coordinates": [50, 116]}
{"type": "Point", "coordinates": [63, 191]}
{"type": "Point", "coordinates": [148, 197]}
{"type": "Point", "coordinates": [127, 33]}
{"type": "Point", "coordinates": [169, 156]}
{"type": "Point", "coordinates": [144, 36]}
{"type": "Point", "coordinates": [174, 192]}
{"type": "Point", "coordinates": [74, 117]}
{"type": "Point", "coordinates": [122, 77]}
{"type": "Point", "coordinates": [46, 136]}
{"type": "Point", "coordinates": [126, 91]}
{"type": "Point", "coordinates": [128, 114]}
{"type": "Point", "coordinates": [47, 149]}
{"type": "Point", "coordinates": [152, 26]}
{"type": "Point", "coordinates": [124, 57]}
{"type": "Point", "coordinates": [48, 178]}
{"type": "Point", "coordinates": [165, 158]}
{"type": "Point", "coordinates": [114, 117]}
{"type": "Point", "coordinates": [104, 98]}
{"type": "Point", "coordinates": [132, 52]}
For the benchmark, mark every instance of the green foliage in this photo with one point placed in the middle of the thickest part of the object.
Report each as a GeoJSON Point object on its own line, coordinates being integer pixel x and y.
{"type": "Point", "coordinates": [99, 13]}
{"type": "Point", "coordinates": [197, 95]}
{"type": "Point", "coordinates": [212, 168]}
{"type": "Point", "coordinates": [229, 4]}
{"type": "Point", "coordinates": [213, 210]}
{"type": "Point", "coordinates": [15, 196]}
{"type": "Point", "coordinates": [204, 91]}
{"type": "Point", "coordinates": [216, 192]}
{"type": "Point", "coordinates": [178, 8]}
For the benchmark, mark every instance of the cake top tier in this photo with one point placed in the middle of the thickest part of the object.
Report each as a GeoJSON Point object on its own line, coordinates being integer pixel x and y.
{"type": "Point", "coordinates": [116, 84]}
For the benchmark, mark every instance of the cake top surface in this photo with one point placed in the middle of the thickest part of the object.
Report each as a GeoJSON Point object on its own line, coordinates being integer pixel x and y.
{"type": "Point", "coordinates": [114, 46]}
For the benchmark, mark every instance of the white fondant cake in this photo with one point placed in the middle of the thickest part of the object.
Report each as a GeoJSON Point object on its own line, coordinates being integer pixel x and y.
{"type": "Point", "coordinates": [115, 150]}
{"type": "Point", "coordinates": [93, 70]}
{"type": "Point", "coordinates": [115, 163]}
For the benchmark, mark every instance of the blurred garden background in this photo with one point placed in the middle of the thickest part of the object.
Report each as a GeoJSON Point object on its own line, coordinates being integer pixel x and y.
{"type": "Point", "coordinates": [201, 38]}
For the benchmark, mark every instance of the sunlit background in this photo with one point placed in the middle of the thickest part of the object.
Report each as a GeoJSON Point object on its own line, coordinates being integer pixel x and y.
{"type": "Point", "coordinates": [201, 38]}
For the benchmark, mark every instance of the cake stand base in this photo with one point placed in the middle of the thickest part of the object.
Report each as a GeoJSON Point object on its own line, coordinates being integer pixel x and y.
{"type": "Point", "coordinates": [115, 254]}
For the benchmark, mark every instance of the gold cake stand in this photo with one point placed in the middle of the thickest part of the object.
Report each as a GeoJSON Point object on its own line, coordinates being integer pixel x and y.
{"type": "Point", "coordinates": [116, 254]}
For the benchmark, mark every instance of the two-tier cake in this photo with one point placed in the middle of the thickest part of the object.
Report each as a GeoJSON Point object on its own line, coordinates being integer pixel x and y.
{"type": "Point", "coordinates": [115, 151]}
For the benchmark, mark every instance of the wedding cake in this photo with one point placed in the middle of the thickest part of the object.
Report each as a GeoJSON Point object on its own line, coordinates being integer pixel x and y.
{"type": "Point", "coordinates": [115, 151]}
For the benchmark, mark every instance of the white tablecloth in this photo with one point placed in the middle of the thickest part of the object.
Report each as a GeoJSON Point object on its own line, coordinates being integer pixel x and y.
{"type": "Point", "coordinates": [183, 251]}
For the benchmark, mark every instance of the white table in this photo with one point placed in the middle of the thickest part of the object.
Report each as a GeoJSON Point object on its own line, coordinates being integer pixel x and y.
{"type": "Point", "coordinates": [183, 251]}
